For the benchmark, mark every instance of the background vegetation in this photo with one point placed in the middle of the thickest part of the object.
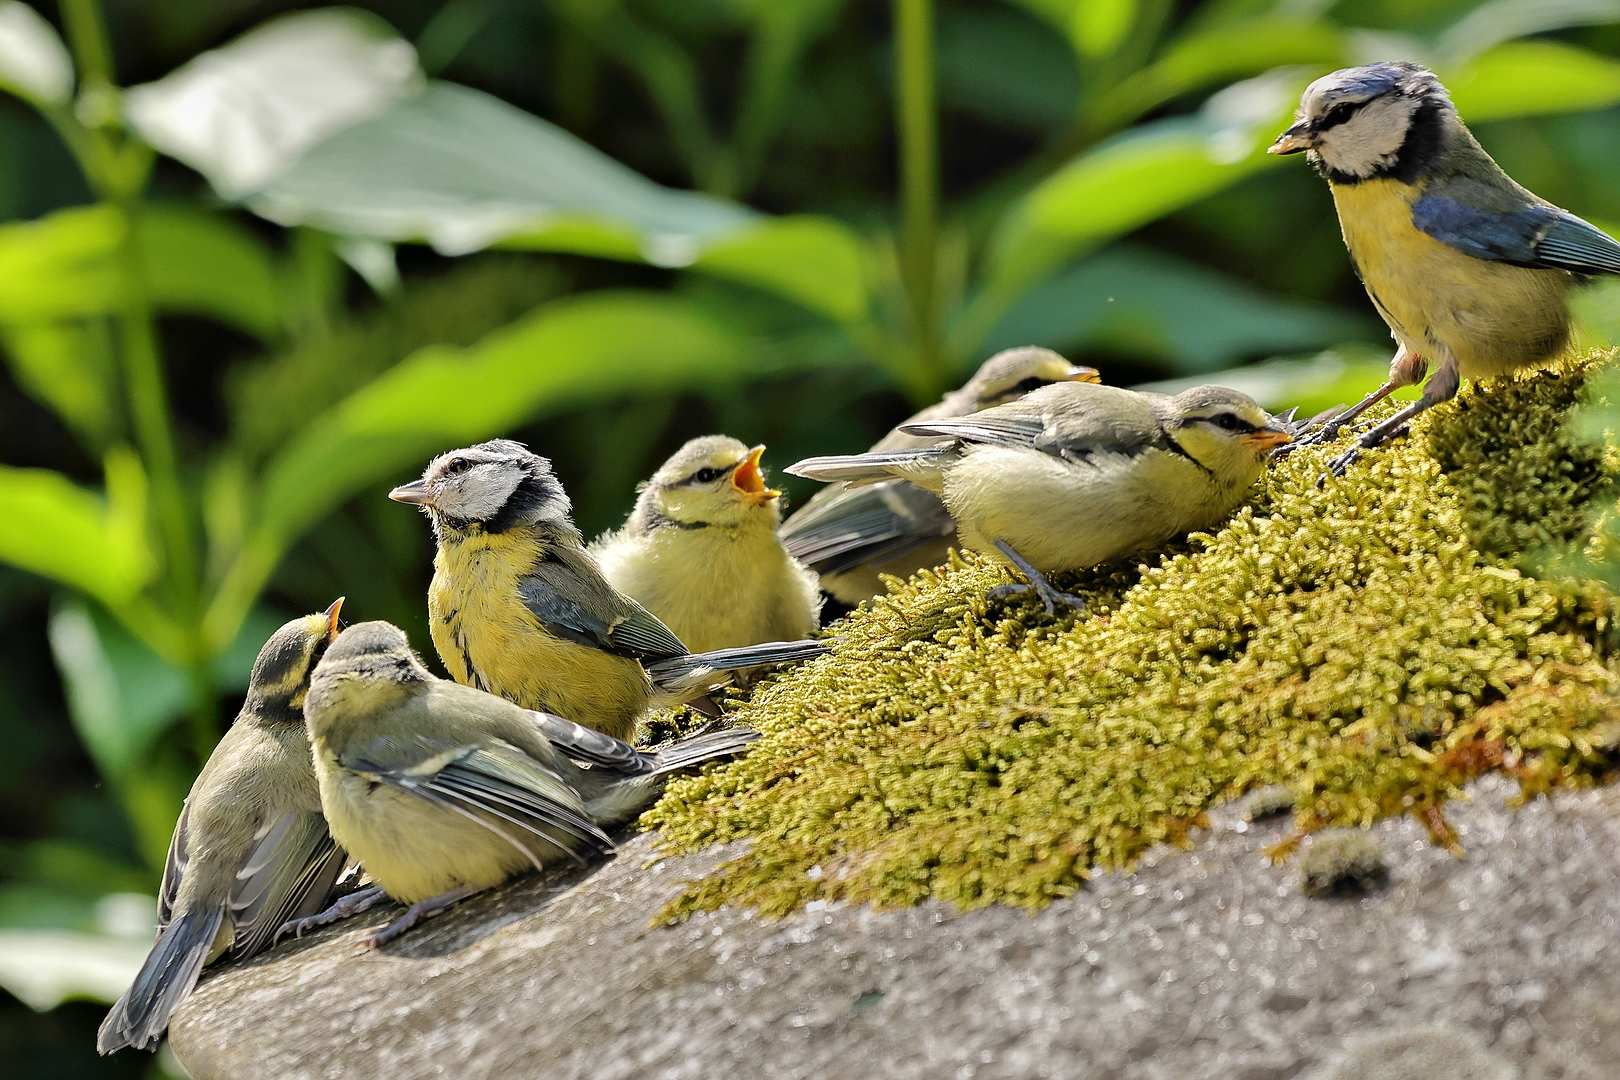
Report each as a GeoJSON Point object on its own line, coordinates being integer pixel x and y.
{"type": "Point", "coordinates": [242, 295]}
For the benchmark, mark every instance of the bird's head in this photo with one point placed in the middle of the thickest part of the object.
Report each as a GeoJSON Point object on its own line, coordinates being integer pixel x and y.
{"type": "Point", "coordinates": [280, 678]}
{"type": "Point", "coordinates": [1012, 373]}
{"type": "Point", "coordinates": [1367, 122]}
{"type": "Point", "coordinates": [494, 486]}
{"type": "Point", "coordinates": [1225, 431]}
{"type": "Point", "coordinates": [369, 667]}
{"type": "Point", "coordinates": [714, 480]}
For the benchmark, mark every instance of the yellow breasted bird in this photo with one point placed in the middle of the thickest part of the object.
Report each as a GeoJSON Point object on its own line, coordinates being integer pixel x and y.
{"type": "Point", "coordinates": [251, 849]}
{"type": "Point", "coordinates": [441, 790]}
{"type": "Point", "coordinates": [1470, 270]}
{"type": "Point", "coordinates": [700, 552]}
{"type": "Point", "coordinates": [1075, 474]}
{"type": "Point", "coordinates": [852, 535]}
{"type": "Point", "coordinates": [519, 608]}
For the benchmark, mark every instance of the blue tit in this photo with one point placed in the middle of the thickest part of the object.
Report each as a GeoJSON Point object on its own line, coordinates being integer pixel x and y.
{"type": "Point", "coordinates": [1077, 474]}
{"type": "Point", "coordinates": [517, 606]}
{"type": "Point", "coordinates": [700, 552]}
{"type": "Point", "coordinates": [441, 790]}
{"type": "Point", "coordinates": [853, 535]}
{"type": "Point", "coordinates": [251, 849]}
{"type": "Point", "coordinates": [1470, 270]}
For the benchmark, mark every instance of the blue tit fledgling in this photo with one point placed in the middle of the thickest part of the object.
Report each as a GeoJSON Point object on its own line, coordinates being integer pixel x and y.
{"type": "Point", "coordinates": [853, 535]}
{"type": "Point", "coordinates": [1470, 270]}
{"type": "Point", "coordinates": [442, 790]}
{"type": "Point", "coordinates": [251, 848]}
{"type": "Point", "coordinates": [700, 552]}
{"type": "Point", "coordinates": [1077, 474]}
{"type": "Point", "coordinates": [519, 608]}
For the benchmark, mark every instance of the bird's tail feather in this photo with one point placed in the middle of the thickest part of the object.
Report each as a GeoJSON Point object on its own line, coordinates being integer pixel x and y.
{"type": "Point", "coordinates": [701, 748]}
{"type": "Point", "coordinates": [869, 468]}
{"type": "Point", "coordinates": [625, 799]}
{"type": "Point", "coordinates": [695, 672]}
{"type": "Point", "coordinates": [140, 1017]}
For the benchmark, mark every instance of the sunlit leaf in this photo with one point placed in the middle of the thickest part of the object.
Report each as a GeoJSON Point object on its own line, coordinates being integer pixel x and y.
{"type": "Point", "coordinates": [34, 64]}
{"type": "Point", "coordinates": [1098, 27]}
{"type": "Point", "coordinates": [68, 366]}
{"type": "Point", "coordinates": [1532, 78]}
{"type": "Point", "coordinates": [205, 264]}
{"type": "Point", "coordinates": [1313, 384]}
{"type": "Point", "coordinates": [1502, 20]}
{"type": "Point", "coordinates": [43, 968]}
{"type": "Point", "coordinates": [242, 113]}
{"type": "Point", "coordinates": [61, 266]}
{"type": "Point", "coordinates": [1134, 300]}
{"type": "Point", "coordinates": [815, 261]}
{"type": "Point", "coordinates": [58, 530]}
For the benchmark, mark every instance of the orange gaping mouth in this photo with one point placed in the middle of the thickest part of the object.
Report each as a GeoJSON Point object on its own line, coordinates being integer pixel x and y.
{"type": "Point", "coordinates": [746, 478]}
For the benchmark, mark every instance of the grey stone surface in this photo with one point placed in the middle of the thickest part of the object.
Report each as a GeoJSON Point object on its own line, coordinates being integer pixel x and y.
{"type": "Point", "coordinates": [1203, 963]}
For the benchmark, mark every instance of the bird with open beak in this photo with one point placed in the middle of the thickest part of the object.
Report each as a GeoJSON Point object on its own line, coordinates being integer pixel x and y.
{"type": "Point", "coordinates": [700, 551]}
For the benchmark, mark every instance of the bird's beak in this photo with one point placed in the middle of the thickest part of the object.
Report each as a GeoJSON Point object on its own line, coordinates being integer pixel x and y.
{"type": "Point", "coordinates": [746, 479]}
{"type": "Point", "coordinates": [1297, 138]}
{"type": "Point", "coordinates": [331, 616]}
{"type": "Point", "coordinates": [416, 492]}
{"type": "Point", "coordinates": [1277, 433]}
{"type": "Point", "coordinates": [1080, 373]}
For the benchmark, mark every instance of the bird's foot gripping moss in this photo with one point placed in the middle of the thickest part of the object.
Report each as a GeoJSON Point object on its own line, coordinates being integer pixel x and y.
{"type": "Point", "coordinates": [1372, 646]}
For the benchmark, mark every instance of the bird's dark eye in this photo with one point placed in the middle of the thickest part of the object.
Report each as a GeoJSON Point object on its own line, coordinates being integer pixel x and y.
{"type": "Point", "coordinates": [1339, 114]}
{"type": "Point", "coordinates": [456, 465]}
{"type": "Point", "coordinates": [707, 476]}
{"type": "Point", "coordinates": [1034, 382]}
{"type": "Point", "coordinates": [1231, 422]}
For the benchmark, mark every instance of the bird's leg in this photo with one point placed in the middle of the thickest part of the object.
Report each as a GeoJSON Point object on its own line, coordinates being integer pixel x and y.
{"type": "Point", "coordinates": [1406, 369]}
{"type": "Point", "coordinates": [1441, 388]}
{"type": "Point", "coordinates": [414, 914]}
{"type": "Point", "coordinates": [350, 904]}
{"type": "Point", "coordinates": [1037, 581]}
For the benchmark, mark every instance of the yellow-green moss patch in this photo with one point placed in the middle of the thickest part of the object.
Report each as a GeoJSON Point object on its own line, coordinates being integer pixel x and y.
{"type": "Point", "coordinates": [1372, 645]}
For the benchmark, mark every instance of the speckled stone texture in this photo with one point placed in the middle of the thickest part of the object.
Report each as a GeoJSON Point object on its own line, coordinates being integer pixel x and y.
{"type": "Point", "coordinates": [1203, 963]}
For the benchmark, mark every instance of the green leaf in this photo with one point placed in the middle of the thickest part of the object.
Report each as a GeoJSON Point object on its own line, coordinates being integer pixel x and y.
{"type": "Point", "coordinates": [1098, 27]}
{"type": "Point", "coordinates": [1006, 68]}
{"type": "Point", "coordinates": [1145, 302]}
{"type": "Point", "coordinates": [68, 366]}
{"type": "Point", "coordinates": [815, 261]}
{"type": "Point", "coordinates": [1502, 20]}
{"type": "Point", "coordinates": [34, 64]}
{"type": "Point", "coordinates": [1334, 378]}
{"type": "Point", "coordinates": [205, 264]}
{"type": "Point", "coordinates": [1533, 78]}
{"type": "Point", "coordinates": [61, 266]}
{"type": "Point", "coordinates": [43, 968]}
{"type": "Point", "coordinates": [1154, 170]}
{"type": "Point", "coordinates": [52, 527]}
{"type": "Point", "coordinates": [1225, 52]}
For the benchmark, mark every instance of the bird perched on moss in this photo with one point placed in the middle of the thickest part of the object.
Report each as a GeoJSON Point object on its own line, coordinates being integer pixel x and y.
{"type": "Point", "coordinates": [851, 535]}
{"type": "Point", "coordinates": [1470, 270]}
{"type": "Point", "coordinates": [250, 850]}
{"type": "Point", "coordinates": [441, 790]}
{"type": "Point", "coordinates": [700, 552]}
{"type": "Point", "coordinates": [1076, 474]}
{"type": "Point", "coordinates": [517, 607]}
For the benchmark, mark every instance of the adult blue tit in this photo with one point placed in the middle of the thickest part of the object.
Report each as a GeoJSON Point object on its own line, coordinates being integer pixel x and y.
{"type": "Point", "coordinates": [852, 536]}
{"type": "Point", "coordinates": [1470, 270]}
{"type": "Point", "coordinates": [700, 552]}
{"type": "Point", "coordinates": [441, 790]}
{"type": "Point", "coordinates": [1076, 474]}
{"type": "Point", "coordinates": [251, 849]}
{"type": "Point", "coordinates": [517, 606]}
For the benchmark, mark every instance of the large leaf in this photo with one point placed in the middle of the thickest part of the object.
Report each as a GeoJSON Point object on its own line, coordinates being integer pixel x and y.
{"type": "Point", "coordinates": [1127, 182]}
{"type": "Point", "coordinates": [1530, 78]}
{"type": "Point", "coordinates": [815, 261]}
{"type": "Point", "coordinates": [44, 967]}
{"type": "Point", "coordinates": [1005, 68]}
{"type": "Point", "coordinates": [62, 266]}
{"type": "Point", "coordinates": [242, 113]}
{"type": "Point", "coordinates": [52, 527]}
{"type": "Point", "coordinates": [204, 264]}
{"type": "Point", "coordinates": [34, 64]}
{"type": "Point", "coordinates": [67, 365]}
{"type": "Point", "coordinates": [1188, 316]}
{"type": "Point", "coordinates": [1502, 20]}
{"type": "Point", "coordinates": [462, 170]}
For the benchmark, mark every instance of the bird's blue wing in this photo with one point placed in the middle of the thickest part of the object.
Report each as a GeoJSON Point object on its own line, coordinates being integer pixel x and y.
{"type": "Point", "coordinates": [288, 875]}
{"type": "Point", "coordinates": [1533, 235]}
{"type": "Point", "coordinates": [592, 747]}
{"type": "Point", "coordinates": [556, 592]}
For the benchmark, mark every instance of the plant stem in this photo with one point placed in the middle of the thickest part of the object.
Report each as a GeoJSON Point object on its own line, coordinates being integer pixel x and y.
{"type": "Point", "coordinates": [917, 118]}
{"type": "Point", "coordinates": [87, 33]}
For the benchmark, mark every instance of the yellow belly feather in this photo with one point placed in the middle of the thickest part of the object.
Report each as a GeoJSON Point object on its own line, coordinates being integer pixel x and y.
{"type": "Point", "coordinates": [488, 638]}
{"type": "Point", "coordinates": [1493, 317]}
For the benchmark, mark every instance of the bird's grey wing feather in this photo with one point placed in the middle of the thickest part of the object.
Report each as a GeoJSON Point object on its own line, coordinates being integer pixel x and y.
{"type": "Point", "coordinates": [869, 468]}
{"type": "Point", "coordinates": [592, 747]}
{"type": "Point", "coordinates": [700, 748]}
{"type": "Point", "coordinates": [574, 601]}
{"type": "Point", "coordinates": [492, 779]}
{"type": "Point", "coordinates": [293, 867]}
{"type": "Point", "coordinates": [170, 970]}
{"type": "Point", "coordinates": [174, 866]}
{"type": "Point", "coordinates": [983, 427]}
{"type": "Point", "coordinates": [869, 524]}
{"type": "Point", "coordinates": [1531, 234]}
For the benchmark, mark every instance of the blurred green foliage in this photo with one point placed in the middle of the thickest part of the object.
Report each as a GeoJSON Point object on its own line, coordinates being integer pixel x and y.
{"type": "Point", "coordinates": [235, 307]}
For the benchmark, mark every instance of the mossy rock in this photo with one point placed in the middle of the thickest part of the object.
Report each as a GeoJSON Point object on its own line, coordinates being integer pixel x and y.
{"type": "Point", "coordinates": [1372, 643]}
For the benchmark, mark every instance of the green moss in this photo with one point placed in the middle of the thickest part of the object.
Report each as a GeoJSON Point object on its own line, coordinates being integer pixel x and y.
{"type": "Point", "coordinates": [1372, 644]}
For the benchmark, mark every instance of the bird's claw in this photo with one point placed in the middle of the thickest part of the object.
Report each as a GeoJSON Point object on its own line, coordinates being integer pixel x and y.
{"type": "Point", "coordinates": [1051, 598]}
{"type": "Point", "coordinates": [352, 904]}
